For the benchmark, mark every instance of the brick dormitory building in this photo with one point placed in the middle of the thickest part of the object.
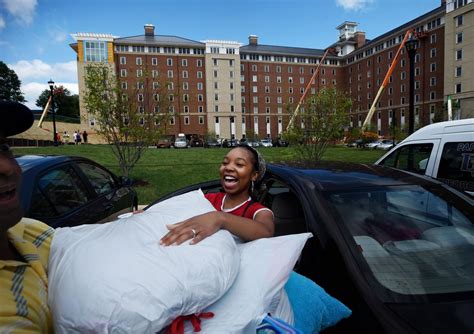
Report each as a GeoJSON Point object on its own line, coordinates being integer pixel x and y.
{"type": "Point", "coordinates": [233, 89]}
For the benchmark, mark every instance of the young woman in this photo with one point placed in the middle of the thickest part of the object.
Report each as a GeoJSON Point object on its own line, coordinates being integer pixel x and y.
{"type": "Point", "coordinates": [241, 168]}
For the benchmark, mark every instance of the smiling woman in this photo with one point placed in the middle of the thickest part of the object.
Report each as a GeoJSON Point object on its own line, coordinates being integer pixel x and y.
{"type": "Point", "coordinates": [237, 212]}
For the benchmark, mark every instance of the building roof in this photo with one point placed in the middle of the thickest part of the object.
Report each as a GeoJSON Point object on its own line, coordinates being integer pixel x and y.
{"type": "Point", "coordinates": [404, 27]}
{"type": "Point", "coordinates": [281, 50]}
{"type": "Point", "coordinates": [159, 40]}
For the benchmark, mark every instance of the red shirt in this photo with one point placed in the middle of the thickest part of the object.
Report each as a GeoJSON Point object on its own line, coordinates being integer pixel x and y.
{"type": "Point", "coordinates": [250, 208]}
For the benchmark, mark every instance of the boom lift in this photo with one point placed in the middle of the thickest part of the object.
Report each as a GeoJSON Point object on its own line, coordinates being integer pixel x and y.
{"type": "Point", "coordinates": [308, 86]}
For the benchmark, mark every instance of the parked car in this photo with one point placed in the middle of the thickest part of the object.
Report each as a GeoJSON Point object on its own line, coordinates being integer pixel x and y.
{"type": "Point", "coordinates": [68, 191]}
{"type": "Point", "coordinates": [280, 142]}
{"type": "Point", "coordinates": [164, 143]}
{"type": "Point", "coordinates": [395, 247]}
{"type": "Point", "coordinates": [386, 144]}
{"type": "Point", "coordinates": [373, 144]}
{"type": "Point", "coordinates": [253, 143]}
{"type": "Point", "coordinates": [181, 142]}
{"type": "Point", "coordinates": [443, 150]}
{"type": "Point", "coordinates": [196, 141]}
{"type": "Point", "coordinates": [266, 142]}
{"type": "Point", "coordinates": [212, 142]}
{"type": "Point", "coordinates": [230, 143]}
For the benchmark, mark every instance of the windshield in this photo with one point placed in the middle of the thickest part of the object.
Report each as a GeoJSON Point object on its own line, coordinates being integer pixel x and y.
{"type": "Point", "coordinates": [414, 241]}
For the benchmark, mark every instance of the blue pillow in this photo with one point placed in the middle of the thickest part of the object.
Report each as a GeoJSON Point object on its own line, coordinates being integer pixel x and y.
{"type": "Point", "coordinates": [314, 310]}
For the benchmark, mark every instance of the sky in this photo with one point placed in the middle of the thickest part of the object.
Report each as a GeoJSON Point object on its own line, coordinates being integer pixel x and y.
{"type": "Point", "coordinates": [35, 34]}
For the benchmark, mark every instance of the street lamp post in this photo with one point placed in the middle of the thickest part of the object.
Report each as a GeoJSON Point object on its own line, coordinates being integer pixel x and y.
{"type": "Point", "coordinates": [411, 49]}
{"type": "Point", "coordinates": [53, 111]}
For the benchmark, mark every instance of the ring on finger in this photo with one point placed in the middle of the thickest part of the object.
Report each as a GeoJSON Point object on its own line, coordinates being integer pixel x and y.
{"type": "Point", "coordinates": [194, 232]}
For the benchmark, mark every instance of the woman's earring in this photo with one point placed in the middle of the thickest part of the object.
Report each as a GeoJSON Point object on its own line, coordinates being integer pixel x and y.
{"type": "Point", "coordinates": [251, 187]}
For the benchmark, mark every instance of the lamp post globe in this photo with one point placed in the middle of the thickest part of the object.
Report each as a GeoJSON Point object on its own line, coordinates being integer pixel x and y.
{"type": "Point", "coordinates": [53, 112]}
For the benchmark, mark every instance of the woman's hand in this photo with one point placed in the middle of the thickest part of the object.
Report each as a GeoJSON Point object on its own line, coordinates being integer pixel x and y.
{"type": "Point", "coordinates": [196, 228]}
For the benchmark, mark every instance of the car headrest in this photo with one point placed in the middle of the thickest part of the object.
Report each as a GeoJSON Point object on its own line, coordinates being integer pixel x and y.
{"type": "Point", "coordinates": [286, 205]}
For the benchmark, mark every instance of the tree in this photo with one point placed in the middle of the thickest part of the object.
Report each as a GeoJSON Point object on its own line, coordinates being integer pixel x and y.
{"type": "Point", "coordinates": [324, 116]}
{"type": "Point", "coordinates": [130, 126]}
{"type": "Point", "coordinates": [10, 85]}
{"type": "Point", "coordinates": [66, 103]}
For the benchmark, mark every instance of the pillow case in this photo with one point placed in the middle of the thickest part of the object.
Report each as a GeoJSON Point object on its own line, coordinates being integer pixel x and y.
{"type": "Point", "coordinates": [265, 265]}
{"type": "Point", "coordinates": [116, 277]}
{"type": "Point", "coordinates": [314, 310]}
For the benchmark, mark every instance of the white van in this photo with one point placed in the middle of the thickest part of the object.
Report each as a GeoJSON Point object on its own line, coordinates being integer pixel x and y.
{"type": "Point", "coordinates": [442, 150]}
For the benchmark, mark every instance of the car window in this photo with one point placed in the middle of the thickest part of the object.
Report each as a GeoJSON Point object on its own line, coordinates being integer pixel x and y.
{"type": "Point", "coordinates": [101, 180]}
{"type": "Point", "coordinates": [413, 158]}
{"type": "Point", "coordinates": [415, 241]}
{"type": "Point", "coordinates": [456, 166]}
{"type": "Point", "coordinates": [57, 192]}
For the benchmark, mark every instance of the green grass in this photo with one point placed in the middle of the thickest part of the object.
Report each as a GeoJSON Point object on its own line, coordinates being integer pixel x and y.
{"type": "Point", "coordinates": [166, 170]}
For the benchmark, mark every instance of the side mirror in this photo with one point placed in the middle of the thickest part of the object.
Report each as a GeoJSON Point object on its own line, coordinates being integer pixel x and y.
{"type": "Point", "coordinates": [125, 181]}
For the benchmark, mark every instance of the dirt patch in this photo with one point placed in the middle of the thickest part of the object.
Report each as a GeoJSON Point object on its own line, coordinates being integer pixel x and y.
{"type": "Point", "coordinates": [140, 183]}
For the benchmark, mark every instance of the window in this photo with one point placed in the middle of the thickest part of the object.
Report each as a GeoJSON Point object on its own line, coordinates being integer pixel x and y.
{"type": "Point", "coordinates": [459, 36]}
{"type": "Point", "coordinates": [123, 60]}
{"type": "Point", "coordinates": [201, 119]}
{"type": "Point", "coordinates": [139, 73]}
{"type": "Point", "coordinates": [278, 69]}
{"type": "Point", "coordinates": [199, 74]}
{"type": "Point", "coordinates": [184, 62]}
{"type": "Point", "coordinates": [458, 71]}
{"type": "Point", "coordinates": [140, 85]}
{"type": "Point", "coordinates": [185, 85]}
{"type": "Point", "coordinates": [254, 89]}
{"type": "Point", "coordinates": [433, 52]}
{"type": "Point", "coordinates": [170, 73]}
{"type": "Point", "coordinates": [432, 95]}
{"type": "Point", "coordinates": [60, 191]}
{"type": "Point", "coordinates": [199, 85]}
{"type": "Point", "coordinates": [459, 20]}
{"type": "Point", "coordinates": [138, 60]}
{"type": "Point", "coordinates": [417, 71]}
{"type": "Point", "coordinates": [456, 165]}
{"type": "Point", "coordinates": [95, 51]}
{"type": "Point", "coordinates": [154, 73]}
{"type": "Point", "coordinates": [185, 98]}
{"type": "Point", "coordinates": [413, 158]}
{"type": "Point", "coordinates": [433, 38]}
{"type": "Point", "coordinates": [154, 61]}
{"type": "Point", "coordinates": [200, 98]}
{"type": "Point", "coordinates": [254, 78]}
{"type": "Point", "coordinates": [124, 84]}
{"type": "Point", "coordinates": [432, 67]}
{"type": "Point", "coordinates": [123, 72]}
{"type": "Point", "coordinates": [215, 61]}
{"type": "Point", "coordinates": [199, 62]}
{"type": "Point", "coordinates": [185, 74]}
{"type": "Point", "coordinates": [278, 79]}
{"type": "Point", "coordinates": [254, 68]}
{"type": "Point", "coordinates": [140, 97]}
{"type": "Point", "coordinates": [458, 88]}
{"type": "Point", "coordinates": [186, 120]}
{"type": "Point", "coordinates": [433, 81]}
{"type": "Point", "coordinates": [169, 61]}
{"type": "Point", "coordinates": [459, 54]}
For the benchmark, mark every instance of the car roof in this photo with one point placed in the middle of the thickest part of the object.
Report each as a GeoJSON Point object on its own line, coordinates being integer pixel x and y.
{"type": "Point", "coordinates": [438, 129]}
{"type": "Point", "coordinates": [346, 176]}
{"type": "Point", "coordinates": [27, 162]}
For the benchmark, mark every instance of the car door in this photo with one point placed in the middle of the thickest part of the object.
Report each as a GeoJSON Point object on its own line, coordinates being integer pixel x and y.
{"type": "Point", "coordinates": [61, 198]}
{"type": "Point", "coordinates": [455, 165]}
{"type": "Point", "coordinates": [111, 198]}
{"type": "Point", "coordinates": [416, 157]}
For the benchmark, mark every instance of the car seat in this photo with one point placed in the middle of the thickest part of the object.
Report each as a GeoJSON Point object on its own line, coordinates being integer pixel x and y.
{"type": "Point", "coordinates": [288, 214]}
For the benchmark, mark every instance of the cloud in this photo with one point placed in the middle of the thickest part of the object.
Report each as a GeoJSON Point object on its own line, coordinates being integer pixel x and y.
{"type": "Point", "coordinates": [22, 10]}
{"type": "Point", "coordinates": [37, 69]}
{"type": "Point", "coordinates": [35, 74]}
{"type": "Point", "coordinates": [33, 90]}
{"type": "Point", "coordinates": [2, 23]}
{"type": "Point", "coordinates": [353, 4]}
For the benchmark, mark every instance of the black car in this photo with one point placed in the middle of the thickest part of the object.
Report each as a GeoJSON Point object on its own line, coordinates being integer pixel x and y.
{"type": "Point", "coordinates": [280, 142]}
{"type": "Point", "coordinates": [68, 191]}
{"type": "Point", "coordinates": [396, 248]}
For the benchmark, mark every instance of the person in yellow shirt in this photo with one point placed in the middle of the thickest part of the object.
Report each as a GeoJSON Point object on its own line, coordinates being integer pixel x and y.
{"type": "Point", "coordinates": [24, 243]}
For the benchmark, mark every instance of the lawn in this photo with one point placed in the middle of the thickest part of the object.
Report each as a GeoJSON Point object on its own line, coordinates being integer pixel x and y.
{"type": "Point", "coordinates": [165, 170]}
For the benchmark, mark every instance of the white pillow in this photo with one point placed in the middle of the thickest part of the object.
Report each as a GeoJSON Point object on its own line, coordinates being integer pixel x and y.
{"type": "Point", "coordinates": [117, 278]}
{"type": "Point", "coordinates": [265, 265]}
